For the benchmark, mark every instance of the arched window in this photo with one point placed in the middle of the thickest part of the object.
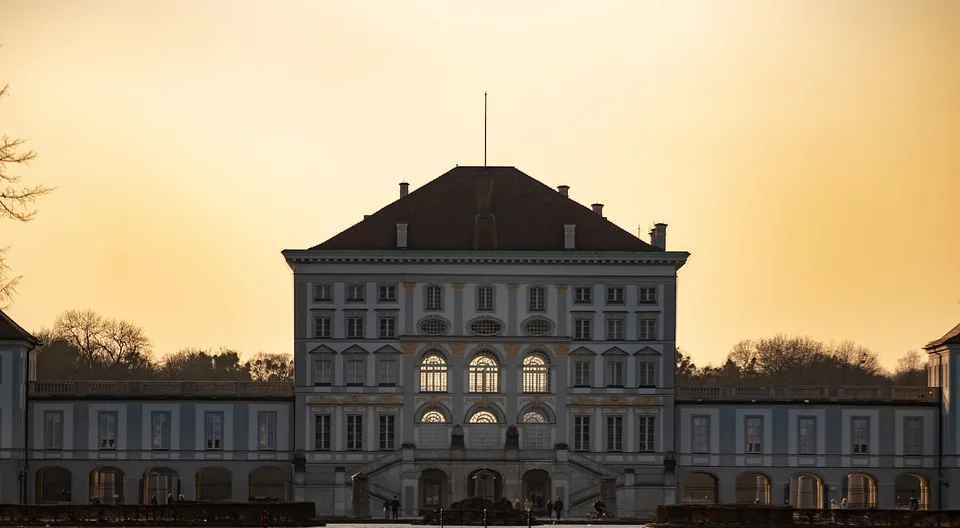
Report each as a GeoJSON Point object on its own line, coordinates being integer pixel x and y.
{"type": "Point", "coordinates": [534, 416]}
{"type": "Point", "coordinates": [433, 416]}
{"type": "Point", "coordinates": [484, 373]}
{"type": "Point", "coordinates": [483, 417]}
{"type": "Point", "coordinates": [433, 373]}
{"type": "Point", "coordinates": [536, 373]}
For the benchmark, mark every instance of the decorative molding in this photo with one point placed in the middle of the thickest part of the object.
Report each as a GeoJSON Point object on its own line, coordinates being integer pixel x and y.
{"type": "Point", "coordinates": [512, 288]}
{"type": "Point", "coordinates": [301, 256]}
{"type": "Point", "coordinates": [409, 286]}
{"type": "Point", "coordinates": [485, 401]}
{"type": "Point", "coordinates": [536, 401]}
{"type": "Point", "coordinates": [614, 401]}
{"type": "Point", "coordinates": [561, 349]}
{"type": "Point", "coordinates": [409, 349]}
{"type": "Point", "coordinates": [561, 288]}
{"type": "Point", "coordinates": [458, 286]}
{"type": "Point", "coordinates": [432, 400]}
{"type": "Point", "coordinates": [511, 350]}
{"type": "Point", "coordinates": [458, 349]}
{"type": "Point", "coordinates": [326, 402]}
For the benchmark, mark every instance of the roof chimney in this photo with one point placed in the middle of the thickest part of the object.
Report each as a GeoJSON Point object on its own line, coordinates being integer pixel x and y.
{"type": "Point", "coordinates": [659, 236]}
{"type": "Point", "coordinates": [570, 236]}
{"type": "Point", "coordinates": [598, 208]}
{"type": "Point", "coordinates": [404, 189]}
{"type": "Point", "coordinates": [401, 236]}
{"type": "Point", "coordinates": [564, 190]}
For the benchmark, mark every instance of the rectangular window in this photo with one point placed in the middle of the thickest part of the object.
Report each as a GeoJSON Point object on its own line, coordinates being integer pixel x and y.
{"type": "Point", "coordinates": [583, 295]}
{"type": "Point", "coordinates": [323, 372]}
{"type": "Point", "coordinates": [267, 430]}
{"type": "Point", "coordinates": [614, 329]}
{"type": "Point", "coordinates": [614, 433]}
{"type": "Point", "coordinates": [647, 295]}
{"type": "Point", "coordinates": [321, 326]}
{"type": "Point", "coordinates": [356, 372]}
{"type": "Point", "coordinates": [581, 433]}
{"type": "Point", "coordinates": [807, 435]}
{"type": "Point", "coordinates": [214, 430]}
{"type": "Point", "coordinates": [646, 376]}
{"type": "Point", "coordinates": [322, 426]}
{"type": "Point", "coordinates": [322, 293]}
{"type": "Point", "coordinates": [53, 429]}
{"type": "Point", "coordinates": [108, 429]}
{"type": "Point", "coordinates": [433, 297]}
{"type": "Point", "coordinates": [913, 436]}
{"type": "Point", "coordinates": [161, 422]}
{"type": "Point", "coordinates": [355, 326]}
{"type": "Point", "coordinates": [754, 434]}
{"type": "Point", "coordinates": [536, 298]}
{"type": "Point", "coordinates": [614, 373]}
{"type": "Point", "coordinates": [387, 293]}
{"type": "Point", "coordinates": [484, 298]}
{"type": "Point", "coordinates": [355, 292]}
{"type": "Point", "coordinates": [647, 330]}
{"type": "Point", "coordinates": [387, 431]}
{"type": "Point", "coordinates": [614, 294]}
{"type": "Point", "coordinates": [388, 326]}
{"type": "Point", "coordinates": [581, 329]}
{"type": "Point", "coordinates": [354, 432]}
{"type": "Point", "coordinates": [581, 374]}
{"type": "Point", "coordinates": [387, 372]}
{"type": "Point", "coordinates": [701, 434]}
{"type": "Point", "coordinates": [646, 434]}
{"type": "Point", "coordinates": [860, 435]}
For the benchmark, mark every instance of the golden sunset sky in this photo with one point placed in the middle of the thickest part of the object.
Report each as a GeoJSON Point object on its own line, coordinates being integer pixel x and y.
{"type": "Point", "coordinates": [806, 153]}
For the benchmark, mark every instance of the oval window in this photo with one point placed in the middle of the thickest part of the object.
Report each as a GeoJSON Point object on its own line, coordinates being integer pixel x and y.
{"type": "Point", "coordinates": [537, 327]}
{"type": "Point", "coordinates": [433, 327]}
{"type": "Point", "coordinates": [485, 327]}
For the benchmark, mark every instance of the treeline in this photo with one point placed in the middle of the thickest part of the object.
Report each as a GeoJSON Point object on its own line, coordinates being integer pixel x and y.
{"type": "Point", "coordinates": [785, 360]}
{"type": "Point", "coordinates": [84, 345]}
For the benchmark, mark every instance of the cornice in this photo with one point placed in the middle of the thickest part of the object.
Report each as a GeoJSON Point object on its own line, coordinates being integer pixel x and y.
{"type": "Point", "coordinates": [306, 256]}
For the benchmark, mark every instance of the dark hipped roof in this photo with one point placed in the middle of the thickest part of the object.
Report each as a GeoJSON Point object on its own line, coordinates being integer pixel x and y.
{"type": "Point", "coordinates": [950, 338]}
{"type": "Point", "coordinates": [11, 331]}
{"type": "Point", "coordinates": [529, 216]}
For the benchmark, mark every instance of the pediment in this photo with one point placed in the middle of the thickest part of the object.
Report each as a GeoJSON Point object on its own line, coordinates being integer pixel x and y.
{"type": "Point", "coordinates": [648, 351]}
{"type": "Point", "coordinates": [614, 352]}
{"type": "Point", "coordinates": [583, 351]}
{"type": "Point", "coordinates": [354, 350]}
{"type": "Point", "coordinates": [386, 350]}
{"type": "Point", "coordinates": [322, 349]}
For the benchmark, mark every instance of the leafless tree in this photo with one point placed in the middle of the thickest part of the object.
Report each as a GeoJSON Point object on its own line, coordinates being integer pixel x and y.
{"type": "Point", "coordinates": [103, 342]}
{"type": "Point", "coordinates": [271, 367]}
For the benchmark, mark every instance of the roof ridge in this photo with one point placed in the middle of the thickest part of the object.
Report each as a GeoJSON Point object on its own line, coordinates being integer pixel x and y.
{"type": "Point", "coordinates": [17, 329]}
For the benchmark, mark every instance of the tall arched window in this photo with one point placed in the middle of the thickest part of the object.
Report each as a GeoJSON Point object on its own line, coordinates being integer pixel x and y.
{"type": "Point", "coordinates": [433, 373]}
{"type": "Point", "coordinates": [536, 373]}
{"type": "Point", "coordinates": [484, 373]}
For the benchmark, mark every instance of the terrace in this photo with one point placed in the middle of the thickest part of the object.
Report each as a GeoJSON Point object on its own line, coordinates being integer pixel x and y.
{"type": "Point", "coordinates": [810, 394]}
{"type": "Point", "coordinates": [148, 390]}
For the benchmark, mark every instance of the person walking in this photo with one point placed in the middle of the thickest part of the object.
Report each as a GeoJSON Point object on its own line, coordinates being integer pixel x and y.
{"type": "Point", "coordinates": [558, 507]}
{"type": "Point", "coordinates": [395, 506]}
{"type": "Point", "coordinates": [550, 509]}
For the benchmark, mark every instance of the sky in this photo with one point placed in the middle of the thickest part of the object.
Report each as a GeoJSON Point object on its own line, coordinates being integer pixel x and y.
{"type": "Point", "coordinates": [805, 152]}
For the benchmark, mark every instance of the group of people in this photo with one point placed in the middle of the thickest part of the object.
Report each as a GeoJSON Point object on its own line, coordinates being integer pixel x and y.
{"type": "Point", "coordinates": [391, 508]}
{"type": "Point", "coordinates": [553, 506]}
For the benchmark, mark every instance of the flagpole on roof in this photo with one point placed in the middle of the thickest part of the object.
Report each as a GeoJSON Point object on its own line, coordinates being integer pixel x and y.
{"type": "Point", "coordinates": [484, 129]}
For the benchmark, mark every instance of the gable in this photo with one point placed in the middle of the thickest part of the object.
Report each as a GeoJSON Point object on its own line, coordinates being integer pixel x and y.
{"type": "Point", "coordinates": [322, 349]}
{"type": "Point", "coordinates": [11, 331]}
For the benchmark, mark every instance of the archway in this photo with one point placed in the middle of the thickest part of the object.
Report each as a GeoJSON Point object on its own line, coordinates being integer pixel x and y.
{"type": "Point", "coordinates": [106, 485]}
{"type": "Point", "coordinates": [699, 488]}
{"type": "Point", "coordinates": [267, 483]}
{"type": "Point", "coordinates": [485, 483]}
{"type": "Point", "coordinates": [214, 484]}
{"type": "Point", "coordinates": [433, 489]}
{"type": "Point", "coordinates": [536, 486]}
{"type": "Point", "coordinates": [860, 490]}
{"type": "Point", "coordinates": [806, 491]}
{"type": "Point", "coordinates": [484, 429]}
{"type": "Point", "coordinates": [161, 483]}
{"type": "Point", "coordinates": [753, 488]}
{"type": "Point", "coordinates": [54, 486]}
{"type": "Point", "coordinates": [911, 487]}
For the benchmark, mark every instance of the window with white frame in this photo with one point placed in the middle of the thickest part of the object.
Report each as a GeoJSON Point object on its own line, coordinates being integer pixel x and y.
{"type": "Point", "coordinates": [701, 434]}
{"type": "Point", "coordinates": [860, 435]}
{"type": "Point", "coordinates": [354, 432]}
{"type": "Point", "coordinates": [484, 373]}
{"type": "Point", "coordinates": [387, 293]}
{"type": "Point", "coordinates": [647, 295]}
{"type": "Point", "coordinates": [614, 373]}
{"type": "Point", "coordinates": [53, 429]}
{"type": "Point", "coordinates": [433, 297]}
{"type": "Point", "coordinates": [615, 295]}
{"type": "Point", "coordinates": [108, 429]}
{"type": "Point", "coordinates": [913, 436]}
{"type": "Point", "coordinates": [581, 373]}
{"type": "Point", "coordinates": [433, 373]}
{"type": "Point", "coordinates": [754, 434]}
{"type": "Point", "coordinates": [647, 329]}
{"type": "Point", "coordinates": [161, 422]}
{"type": "Point", "coordinates": [355, 326]}
{"type": "Point", "coordinates": [646, 373]}
{"type": "Point", "coordinates": [322, 427]}
{"type": "Point", "coordinates": [214, 430]}
{"type": "Point", "coordinates": [581, 433]}
{"type": "Point", "coordinates": [646, 434]}
{"type": "Point", "coordinates": [536, 298]}
{"type": "Point", "coordinates": [356, 292]}
{"type": "Point", "coordinates": [485, 298]}
{"type": "Point", "coordinates": [356, 371]}
{"type": "Point", "coordinates": [614, 328]}
{"type": "Point", "coordinates": [387, 371]}
{"type": "Point", "coordinates": [322, 326]}
{"type": "Point", "coordinates": [322, 292]}
{"type": "Point", "coordinates": [583, 295]}
{"type": "Point", "coordinates": [267, 430]}
{"type": "Point", "coordinates": [614, 433]}
{"type": "Point", "coordinates": [582, 329]}
{"type": "Point", "coordinates": [387, 326]}
{"type": "Point", "coordinates": [806, 435]}
{"type": "Point", "coordinates": [323, 371]}
{"type": "Point", "coordinates": [388, 430]}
